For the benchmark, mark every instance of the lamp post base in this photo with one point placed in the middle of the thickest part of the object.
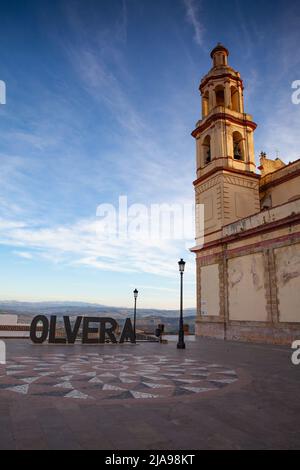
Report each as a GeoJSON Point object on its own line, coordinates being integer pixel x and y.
{"type": "Point", "coordinates": [180, 345]}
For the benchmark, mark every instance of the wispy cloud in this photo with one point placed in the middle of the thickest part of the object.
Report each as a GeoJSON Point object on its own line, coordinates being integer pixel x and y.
{"type": "Point", "coordinates": [94, 132]}
{"type": "Point", "coordinates": [192, 15]}
{"type": "Point", "coordinates": [23, 254]}
{"type": "Point", "coordinates": [158, 288]}
{"type": "Point", "coordinates": [82, 244]}
{"type": "Point", "coordinates": [104, 74]}
{"type": "Point", "coordinates": [123, 22]}
{"type": "Point", "coordinates": [278, 131]}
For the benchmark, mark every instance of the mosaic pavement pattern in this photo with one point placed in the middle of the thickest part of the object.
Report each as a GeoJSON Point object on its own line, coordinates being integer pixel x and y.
{"type": "Point", "coordinates": [106, 377]}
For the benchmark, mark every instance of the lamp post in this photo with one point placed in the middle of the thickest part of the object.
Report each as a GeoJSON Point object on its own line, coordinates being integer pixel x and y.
{"type": "Point", "coordinates": [135, 293]}
{"type": "Point", "coordinates": [181, 344]}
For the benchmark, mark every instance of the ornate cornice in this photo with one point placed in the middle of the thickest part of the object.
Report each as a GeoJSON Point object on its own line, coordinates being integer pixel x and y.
{"type": "Point", "coordinates": [226, 158]}
{"type": "Point", "coordinates": [217, 77]}
{"type": "Point", "coordinates": [224, 116]}
{"type": "Point", "coordinates": [276, 181]}
{"type": "Point", "coordinates": [238, 181]}
{"type": "Point", "coordinates": [208, 184]}
{"type": "Point", "coordinates": [247, 174]}
{"type": "Point", "coordinates": [261, 229]}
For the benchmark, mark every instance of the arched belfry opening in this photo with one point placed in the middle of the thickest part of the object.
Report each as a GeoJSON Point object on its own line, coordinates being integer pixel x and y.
{"type": "Point", "coordinates": [206, 150]}
{"type": "Point", "coordinates": [205, 104]}
{"type": "Point", "coordinates": [237, 142]}
{"type": "Point", "coordinates": [220, 95]}
{"type": "Point", "coordinates": [235, 102]}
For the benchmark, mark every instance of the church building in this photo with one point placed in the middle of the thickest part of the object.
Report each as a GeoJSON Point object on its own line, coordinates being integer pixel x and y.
{"type": "Point", "coordinates": [248, 268]}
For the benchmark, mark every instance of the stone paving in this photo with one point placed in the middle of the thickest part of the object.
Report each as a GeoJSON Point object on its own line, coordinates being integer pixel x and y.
{"type": "Point", "coordinates": [95, 376]}
{"type": "Point", "coordinates": [214, 394]}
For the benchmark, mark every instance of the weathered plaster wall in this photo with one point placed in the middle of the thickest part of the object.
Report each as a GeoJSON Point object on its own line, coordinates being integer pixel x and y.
{"type": "Point", "coordinates": [285, 192]}
{"type": "Point", "coordinates": [210, 285]}
{"type": "Point", "coordinates": [282, 185]}
{"type": "Point", "coordinates": [240, 198]}
{"type": "Point", "coordinates": [262, 218]}
{"type": "Point", "coordinates": [287, 259]}
{"type": "Point", "coordinates": [247, 299]}
{"type": "Point", "coordinates": [210, 195]}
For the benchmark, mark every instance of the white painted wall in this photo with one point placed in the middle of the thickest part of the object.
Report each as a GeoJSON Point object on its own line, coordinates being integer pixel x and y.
{"type": "Point", "coordinates": [6, 319]}
{"type": "Point", "coordinates": [14, 334]}
{"type": "Point", "coordinates": [2, 352]}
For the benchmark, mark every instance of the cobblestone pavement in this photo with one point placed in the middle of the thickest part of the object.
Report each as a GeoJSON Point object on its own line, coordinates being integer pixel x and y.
{"type": "Point", "coordinates": [214, 394]}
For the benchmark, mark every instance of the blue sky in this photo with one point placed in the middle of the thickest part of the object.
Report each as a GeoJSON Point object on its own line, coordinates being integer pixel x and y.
{"type": "Point", "coordinates": [101, 99]}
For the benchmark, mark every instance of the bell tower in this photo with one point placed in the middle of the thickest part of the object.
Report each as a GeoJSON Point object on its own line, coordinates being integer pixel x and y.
{"type": "Point", "coordinates": [226, 183]}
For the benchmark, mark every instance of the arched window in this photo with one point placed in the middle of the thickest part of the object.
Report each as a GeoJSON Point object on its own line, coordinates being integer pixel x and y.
{"type": "Point", "coordinates": [205, 101]}
{"type": "Point", "coordinates": [237, 141]}
{"type": "Point", "coordinates": [235, 104]}
{"type": "Point", "coordinates": [220, 95]}
{"type": "Point", "coordinates": [206, 150]}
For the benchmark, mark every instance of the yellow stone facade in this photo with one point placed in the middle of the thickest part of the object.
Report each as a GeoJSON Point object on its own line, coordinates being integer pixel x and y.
{"type": "Point", "coordinates": [248, 270]}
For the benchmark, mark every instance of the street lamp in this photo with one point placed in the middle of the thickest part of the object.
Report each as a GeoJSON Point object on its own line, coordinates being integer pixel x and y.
{"type": "Point", "coordinates": [181, 344]}
{"type": "Point", "coordinates": [135, 293]}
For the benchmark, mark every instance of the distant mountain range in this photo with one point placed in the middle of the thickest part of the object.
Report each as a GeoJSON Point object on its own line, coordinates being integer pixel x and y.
{"type": "Point", "coordinates": [83, 308]}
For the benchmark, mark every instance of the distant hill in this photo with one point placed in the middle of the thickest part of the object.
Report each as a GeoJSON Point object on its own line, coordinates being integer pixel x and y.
{"type": "Point", "coordinates": [82, 308]}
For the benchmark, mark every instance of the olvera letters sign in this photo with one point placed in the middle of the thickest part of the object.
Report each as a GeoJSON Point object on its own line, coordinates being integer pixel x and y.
{"type": "Point", "coordinates": [93, 330]}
